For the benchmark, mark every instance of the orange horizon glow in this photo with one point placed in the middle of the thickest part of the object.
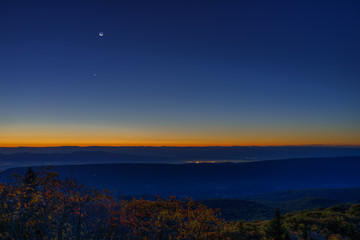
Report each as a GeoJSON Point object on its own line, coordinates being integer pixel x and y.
{"type": "Point", "coordinates": [175, 145]}
{"type": "Point", "coordinates": [122, 136]}
{"type": "Point", "coordinates": [180, 146]}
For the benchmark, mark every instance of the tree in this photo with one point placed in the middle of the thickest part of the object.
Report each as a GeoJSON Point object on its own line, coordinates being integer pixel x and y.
{"type": "Point", "coordinates": [275, 229]}
{"type": "Point", "coordinates": [30, 177]}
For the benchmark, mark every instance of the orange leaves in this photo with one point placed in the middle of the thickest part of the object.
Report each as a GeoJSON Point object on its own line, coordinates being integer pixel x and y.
{"type": "Point", "coordinates": [171, 218]}
{"type": "Point", "coordinates": [51, 209]}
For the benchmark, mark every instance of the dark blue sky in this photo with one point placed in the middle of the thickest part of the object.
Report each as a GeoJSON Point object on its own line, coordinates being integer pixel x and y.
{"type": "Point", "coordinates": [179, 72]}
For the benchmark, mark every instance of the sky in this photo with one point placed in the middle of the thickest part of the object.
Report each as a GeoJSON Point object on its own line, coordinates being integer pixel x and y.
{"type": "Point", "coordinates": [179, 73]}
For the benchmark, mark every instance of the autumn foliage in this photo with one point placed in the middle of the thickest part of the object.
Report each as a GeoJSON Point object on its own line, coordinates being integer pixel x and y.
{"type": "Point", "coordinates": [42, 206]}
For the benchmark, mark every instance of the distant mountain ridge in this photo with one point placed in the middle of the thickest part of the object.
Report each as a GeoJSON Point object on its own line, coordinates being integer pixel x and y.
{"type": "Point", "coordinates": [79, 157]}
{"type": "Point", "coordinates": [27, 156]}
{"type": "Point", "coordinates": [216, 153]}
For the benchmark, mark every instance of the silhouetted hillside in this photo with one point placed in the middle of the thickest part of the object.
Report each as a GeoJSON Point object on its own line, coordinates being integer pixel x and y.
{"type": "Point", "coordinates": [235, 209]}
{"type": "Point", "coordinates": [303, 204]}
{"type": "Point", "coordinates": [344, 195]}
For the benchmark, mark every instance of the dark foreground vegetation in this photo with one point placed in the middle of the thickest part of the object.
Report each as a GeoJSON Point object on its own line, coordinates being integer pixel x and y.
{"type": "Point", "coordinates": [42, 206]}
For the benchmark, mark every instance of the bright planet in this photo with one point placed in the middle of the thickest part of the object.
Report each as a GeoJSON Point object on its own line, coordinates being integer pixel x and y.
{"type": "Point", "coordinates": [101, 34]}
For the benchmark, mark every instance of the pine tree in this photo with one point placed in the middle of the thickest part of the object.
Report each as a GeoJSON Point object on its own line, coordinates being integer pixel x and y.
{"type": "Point", "coordinates": [275, 229]}
{"type": "Point", "coordinates": [30, 177]}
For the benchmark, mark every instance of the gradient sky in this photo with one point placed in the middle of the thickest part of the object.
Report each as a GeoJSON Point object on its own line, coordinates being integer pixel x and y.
{"type": "Point", "coordinates": [179, 73]}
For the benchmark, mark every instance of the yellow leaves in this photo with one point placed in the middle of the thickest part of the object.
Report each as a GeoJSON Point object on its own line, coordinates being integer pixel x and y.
{"type": "Point", "coordinates": [54, 204]}
{"type": "Point", "coordinates": [19, 192]}
{"type": "Point", "coordinates": [176, 219]}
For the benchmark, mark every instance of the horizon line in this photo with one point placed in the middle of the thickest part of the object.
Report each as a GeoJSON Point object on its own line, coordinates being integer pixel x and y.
{"type": "Point", "coordinates": [181, 146]}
